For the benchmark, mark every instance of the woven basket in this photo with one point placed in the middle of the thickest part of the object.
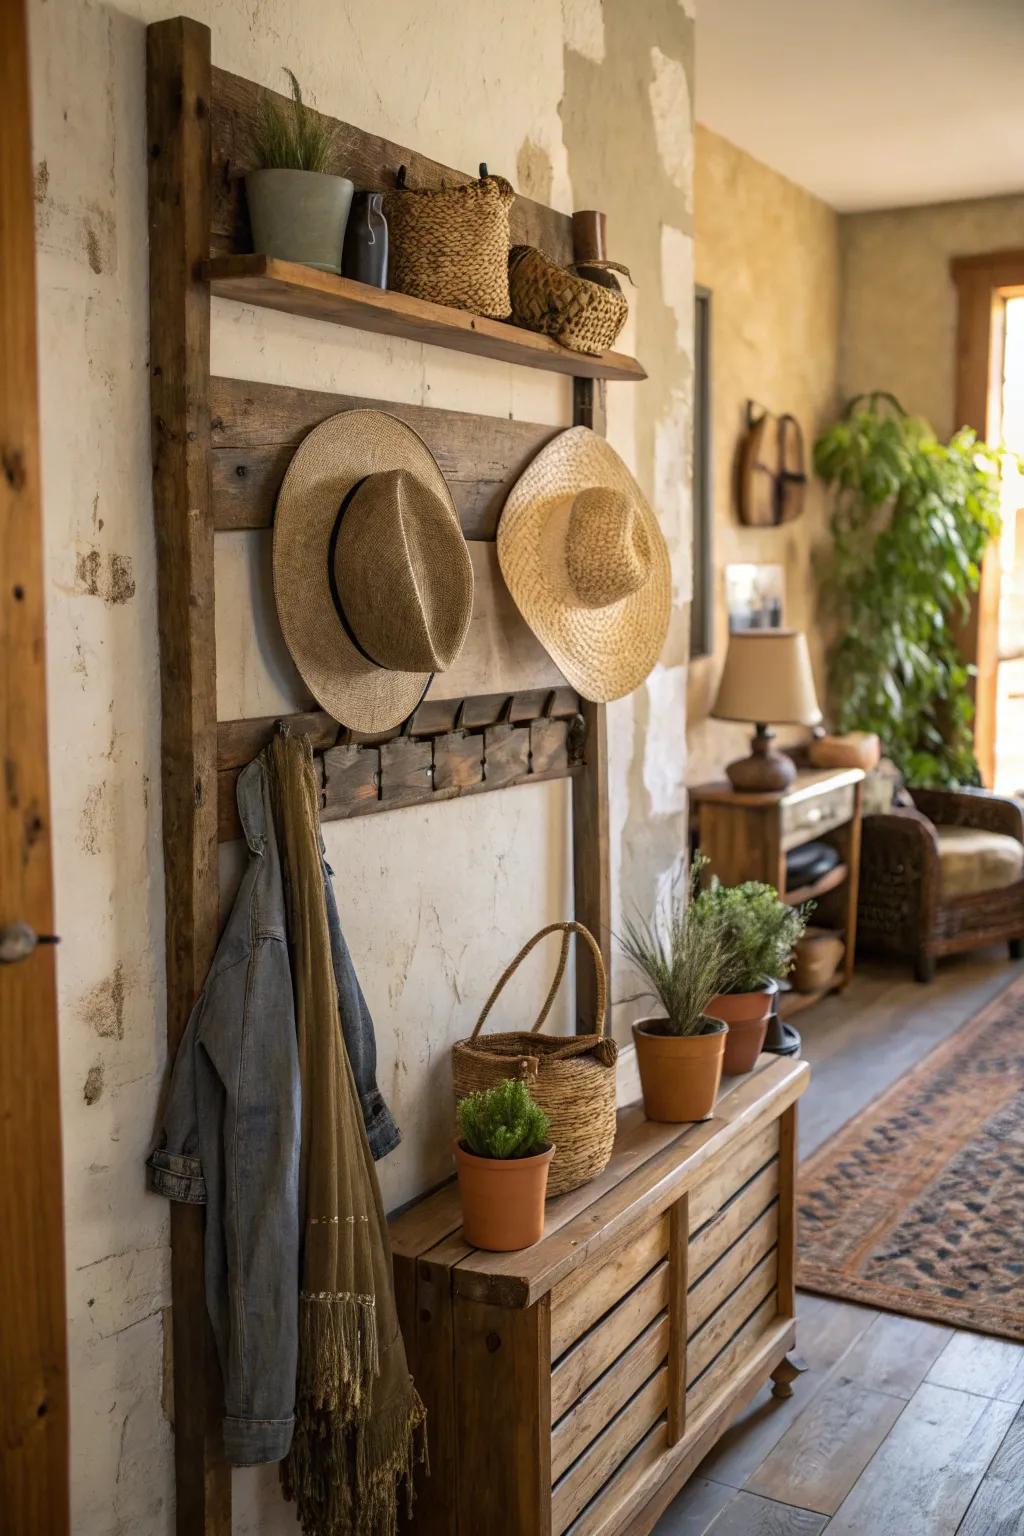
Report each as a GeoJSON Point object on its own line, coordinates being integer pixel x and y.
{"type": "Point", "coordinates": [584, 313]}
{"type": "Point", "coordinates": [572, 1077]}
{"type": "Point", "coordinates": [451, 245]}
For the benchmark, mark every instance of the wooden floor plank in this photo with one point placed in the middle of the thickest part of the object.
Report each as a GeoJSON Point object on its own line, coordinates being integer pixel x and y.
{"type": "Point", "coordinates": [826, 1330]}
{"type": "Point", "coordinates": [896, 1353]}
{"type": "Point", "coordinates": [693, 1510]}
{"type": "Point", "coordinates": [927, 1472]}
{"type": "Point", "coordinates": [975, 1362]}
{"type": "Point", "coordinates": [749, 1515]}
{"type": "Point", "coordinates": [821, 1456]}
{"type": "Point", "coordinates": [997, 1508]}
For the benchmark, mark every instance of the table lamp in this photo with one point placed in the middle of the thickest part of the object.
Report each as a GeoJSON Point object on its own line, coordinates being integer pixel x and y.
{"type": "Point", "coordinates": [767, 678]}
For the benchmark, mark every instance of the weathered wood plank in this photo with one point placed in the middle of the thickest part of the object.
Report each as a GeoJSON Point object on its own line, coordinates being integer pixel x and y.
{"type": "Point", "coordinates": [576, 1307]}
{"type": "Point", "coordinates": [580, 1366]}
{"type": "Point", "coordinates": [605, 1511]}
{"type": "Point", "coordinates": [178, 128]}
{"type": "Point", "coordinates": [718, 1375]}
{"type": "Point", "coordinates": [600, 1460]}
{"type": "Point", "coordinates": [821, 1456]}
{"type": "Point", "coordinates": [735, 1264]}
{"type": "Point", "coordinates": [732, 1220]}
{"type": "Point", "coordinates": [256, 429]}
{"type": "Point", "coordinates": [709, 1340]}
{"type": "Point", "coordinates": [370, 162]}
{"type": "Point", "coordinates": [719, 1188]}
{"type": "Point", "coordinates": [33, 1333]}
{"type": "Point", "coordinates": [596, 1408]}
{"type": "Point", "coordinates": [500, 1359]}
{"type": "Point", "coordinates": [293, 289]}
{"type": "Point", "coordinates": [678, 1308]}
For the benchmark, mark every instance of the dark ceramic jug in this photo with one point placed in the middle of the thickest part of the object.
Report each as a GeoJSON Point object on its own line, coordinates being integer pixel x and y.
{"type": "Point", "coordinates": [365, 256]}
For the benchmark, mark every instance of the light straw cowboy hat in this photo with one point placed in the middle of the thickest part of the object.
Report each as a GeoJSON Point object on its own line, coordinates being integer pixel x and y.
{"type": "Point", "coordinates": [372, 576]}
{"type": "Point", "coordinates": [587, 565]}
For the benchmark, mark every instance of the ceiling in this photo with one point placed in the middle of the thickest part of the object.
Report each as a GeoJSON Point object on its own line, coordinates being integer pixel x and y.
{"type": "Point", "coordinates": [870, 103]}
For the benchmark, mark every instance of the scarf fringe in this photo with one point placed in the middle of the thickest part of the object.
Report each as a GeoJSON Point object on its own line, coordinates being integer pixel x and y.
{"type": "Point", "coordinates": [338, 1352]}
{"type": "Point", "coordinates": [383, 1453]}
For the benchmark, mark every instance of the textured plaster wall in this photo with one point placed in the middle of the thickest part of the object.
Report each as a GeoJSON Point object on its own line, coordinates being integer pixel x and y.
{"type": "Point", "coordinates": [769, 252]}
{"type": "Point", "coordinates": [898, 329]}
{"type": "Point", "coordinates": [584, 105]}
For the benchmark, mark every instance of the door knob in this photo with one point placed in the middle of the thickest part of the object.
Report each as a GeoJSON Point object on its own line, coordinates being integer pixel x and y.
{"type": "Point", "coordinates": [18, 941]}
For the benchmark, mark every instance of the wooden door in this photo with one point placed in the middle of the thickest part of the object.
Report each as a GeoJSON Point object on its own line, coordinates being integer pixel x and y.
{"type": "Point", "coordinates": [33, 1372]}
{"type": "Point", "coordinates": [983, 284]}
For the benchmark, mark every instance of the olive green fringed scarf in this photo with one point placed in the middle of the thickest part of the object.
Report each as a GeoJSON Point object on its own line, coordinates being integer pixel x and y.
{"type": "Point", "coordinates": [358, 1417]}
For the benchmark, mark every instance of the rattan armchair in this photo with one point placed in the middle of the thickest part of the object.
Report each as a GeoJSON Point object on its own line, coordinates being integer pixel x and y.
{"type": "Point", "coordinates": [906, 907]}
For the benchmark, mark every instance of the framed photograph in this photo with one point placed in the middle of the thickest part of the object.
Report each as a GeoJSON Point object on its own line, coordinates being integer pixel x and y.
{"type": "Point", "coordinates": [755, 596]}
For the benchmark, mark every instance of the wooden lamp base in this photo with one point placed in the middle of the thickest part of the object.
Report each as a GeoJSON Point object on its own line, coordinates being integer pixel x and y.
{"type": "Point", "coordinates": [765, 770]}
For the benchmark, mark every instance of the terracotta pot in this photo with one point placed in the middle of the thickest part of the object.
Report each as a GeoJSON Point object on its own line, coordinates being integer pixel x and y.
{"type": "Point", "coordinates": [679, 1074]}
{"type": "Point", "coordinates": [746, 1014]}
{"type": "Point", "coordinates": [502, 1199]}
{"type": "Point", "coordinates": [819, 952]}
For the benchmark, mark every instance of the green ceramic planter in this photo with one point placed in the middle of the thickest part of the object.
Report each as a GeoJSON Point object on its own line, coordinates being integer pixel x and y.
{"type": "Point", "coordinates": [299, 216]}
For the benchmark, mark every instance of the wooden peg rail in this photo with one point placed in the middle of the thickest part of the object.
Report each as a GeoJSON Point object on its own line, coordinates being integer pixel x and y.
{"type": "Point", "coordinates": [220, 450]}
{"type": "Point", "coordinates": [450, 749]}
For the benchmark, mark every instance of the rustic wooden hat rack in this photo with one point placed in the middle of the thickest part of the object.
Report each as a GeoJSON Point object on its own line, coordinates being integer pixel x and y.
{"type": "Point", "coordinates": [503, 716]}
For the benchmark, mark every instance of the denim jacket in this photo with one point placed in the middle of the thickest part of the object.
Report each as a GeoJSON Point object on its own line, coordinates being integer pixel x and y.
{"type": "Point", "coordinates": [230, 1136]}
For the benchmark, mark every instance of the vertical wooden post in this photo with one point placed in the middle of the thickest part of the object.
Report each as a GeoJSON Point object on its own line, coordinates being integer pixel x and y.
{"type": "Point", "coordinates": [590, 839]}
{"type": "Point", "coordinates": [787, 1211]}
{"type": "Point", "coordinates": [502, 1362]}
{"type": "Point", "coordinates": [678, 1282]}
{"type": "Point", "coordinates": [33, 1353]}
{"type": "Point", "coordinates": [178, 128]}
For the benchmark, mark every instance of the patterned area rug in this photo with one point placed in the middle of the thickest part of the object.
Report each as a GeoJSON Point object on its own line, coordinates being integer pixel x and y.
{"type": "Point", "coordinates": [917, 1204]}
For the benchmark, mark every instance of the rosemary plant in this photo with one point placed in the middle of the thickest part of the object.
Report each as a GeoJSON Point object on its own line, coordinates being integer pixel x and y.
{"type": "Point", "coordinates": [503, 1121]}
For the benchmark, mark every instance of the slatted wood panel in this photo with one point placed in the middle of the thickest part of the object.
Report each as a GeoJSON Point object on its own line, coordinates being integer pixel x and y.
{"type": "Point", "coordinates": [581, 1366]}
{"type": "Point", "coordinates": [712, 1290]}
{"type": "Point", "coordinates": [733, 1219]}
{"type": "Point", "coordinates": [716, 1333]}
{"type": "Point", "coordinates": [719, 1373]}
{"type": "Point", "coordinates": [598, 1407]}
{"type": "Point", "coordinates": [370, 162]}
{"type": "Point", "coordinates": [714, 1192]}
{"type": "Point", "coordinates": [602, 1514]}
{"type": "Point", "coordinates": [608, 1451]}
{"type": "Point", "coordinates": [576, 1306]}
{"type": "Point", "coordinates": [255, 429]}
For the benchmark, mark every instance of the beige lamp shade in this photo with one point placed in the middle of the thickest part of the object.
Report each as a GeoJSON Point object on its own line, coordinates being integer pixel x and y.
{"type": "Point", "coordinates": [767, 679]}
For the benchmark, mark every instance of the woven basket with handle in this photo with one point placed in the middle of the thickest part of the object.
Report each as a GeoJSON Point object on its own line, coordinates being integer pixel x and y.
{"type": "Point", "coordinates": [450, 244]}
{"type": "Point", "coordinates": [581, 306]}
{"type": "Point", "coordinates": [572, 1077]}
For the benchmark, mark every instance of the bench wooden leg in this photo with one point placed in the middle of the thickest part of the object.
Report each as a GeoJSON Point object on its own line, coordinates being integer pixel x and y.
{"type": "Point", "coordinates": [785, 1373]}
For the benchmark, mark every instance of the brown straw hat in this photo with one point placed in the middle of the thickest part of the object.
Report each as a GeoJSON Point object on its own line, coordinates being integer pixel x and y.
{"type": "Point", "coordinates": [582, 555]}
{"type": "Point", "coordinates": [372, 576]}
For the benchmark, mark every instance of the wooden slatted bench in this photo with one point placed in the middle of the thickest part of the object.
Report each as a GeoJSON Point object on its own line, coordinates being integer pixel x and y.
{"type": "Point", "coordinates": [574, 1386]}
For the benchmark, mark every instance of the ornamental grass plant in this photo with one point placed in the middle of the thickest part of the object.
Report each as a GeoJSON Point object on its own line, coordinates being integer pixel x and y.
{"type": "Point", "coordinates": [294, 137]}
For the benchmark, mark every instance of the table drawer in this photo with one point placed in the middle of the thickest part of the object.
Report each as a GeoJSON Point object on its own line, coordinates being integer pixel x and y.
{"type": "Point", "coordinates": [817, 814]}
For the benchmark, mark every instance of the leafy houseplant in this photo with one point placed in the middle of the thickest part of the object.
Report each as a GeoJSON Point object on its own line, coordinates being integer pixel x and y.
{"type": "Point", "coordinates": [910, 521]}
{"type": "Point", "coordinates": [297, 208]}
{"type": "Point", "coordinates": [502, 1160]}
{"type": "Point", "coordinates": [686, 964]}
{"type": "Point", "coordinates": [759, 930]}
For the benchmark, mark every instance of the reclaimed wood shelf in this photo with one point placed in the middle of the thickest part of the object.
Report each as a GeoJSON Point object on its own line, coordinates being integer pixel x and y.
{"type": "Point", "coordinates": [572, 1387]}
{"type": "Point", "coordinates": [300, 290]}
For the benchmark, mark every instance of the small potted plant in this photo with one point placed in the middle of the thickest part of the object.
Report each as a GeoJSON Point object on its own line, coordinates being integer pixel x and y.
{"type": "Point", "coordinates": [760, 932]}
{"type": "Point", "coordinates": [679, 1054]}
{"type": "Point", "coordinates": [502, 1158]}
{"type": "Point", "coordinates": [298, 210]}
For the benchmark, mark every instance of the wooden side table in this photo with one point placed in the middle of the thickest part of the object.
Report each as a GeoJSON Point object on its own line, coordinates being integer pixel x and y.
{"type": "Point", "coordinates": [747, 837]}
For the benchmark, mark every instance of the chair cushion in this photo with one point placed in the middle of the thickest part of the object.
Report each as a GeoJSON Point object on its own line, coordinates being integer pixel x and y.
{"type": "Point", "coordinates": [971, 860]}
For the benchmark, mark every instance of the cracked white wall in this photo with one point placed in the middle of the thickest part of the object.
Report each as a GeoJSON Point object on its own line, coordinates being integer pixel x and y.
{"type": "Point", "coordinates": [435, 901]}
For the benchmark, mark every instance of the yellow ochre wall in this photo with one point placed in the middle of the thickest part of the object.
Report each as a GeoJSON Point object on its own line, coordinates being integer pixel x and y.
{"type": "Point", "coordinates": [769, 252]}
